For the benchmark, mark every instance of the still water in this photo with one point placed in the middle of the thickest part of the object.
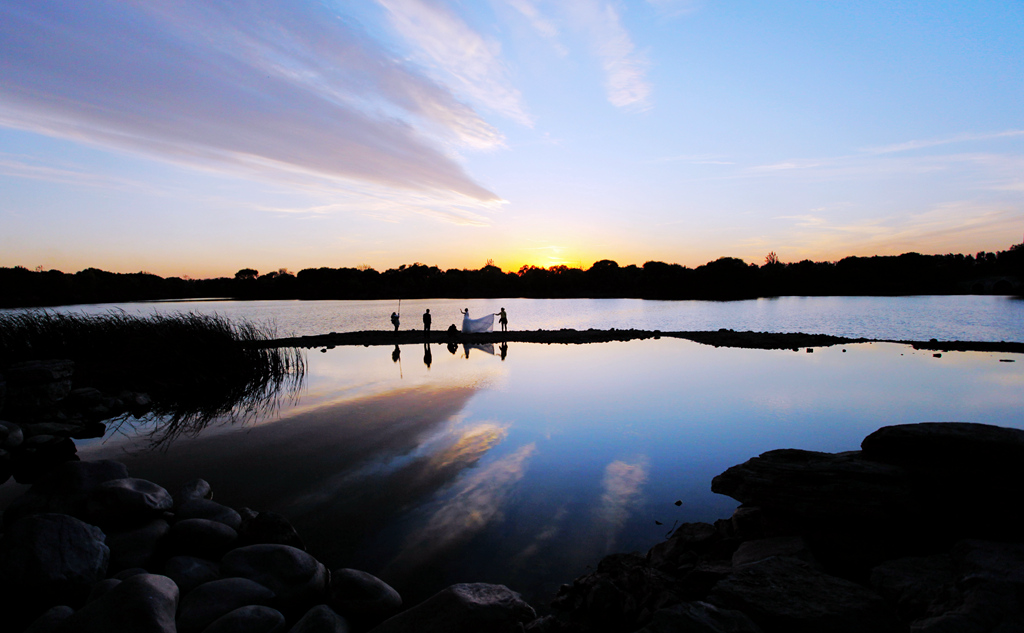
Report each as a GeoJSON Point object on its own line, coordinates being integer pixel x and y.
{"type": "Point", "coordinates": [959, 318]}
{"type": "Point", "coordinates": [526, 470]}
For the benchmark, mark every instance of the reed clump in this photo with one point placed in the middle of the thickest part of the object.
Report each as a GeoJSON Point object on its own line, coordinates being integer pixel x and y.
{"type": "Point", "coordinates": [194, 366]}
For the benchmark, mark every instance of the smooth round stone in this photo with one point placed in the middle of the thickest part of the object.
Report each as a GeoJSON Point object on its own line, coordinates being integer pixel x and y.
{"type": "Point", "coordinates": [210, 510]}
{"type": "Point", "coordinates": [54, 553]}
{"type": "Point", "coordinates": [126, 501]}
{"type": "Point", "coordinates": [251, 619]}
{"type": "Point", "coordinates": [102, 587]}
{"type": "Point", "coordinates": [15, 436]}
{"type": "Point", "coordinates": [138, 547]}
{"type": "Point", "coordinates": [202, 537]}
{"type": "Point", "coordinates": [188, 572]}
{"type": "Point", "coordinates": [145, 604]}
{"type": "Point", "coordinates": [193, 490]}
{"type": "Point", "coordinates": [298, 579]}
{"type": "Point", "coordinates": [362, 597]}
{"type": "Point", "coordinates": [51, 620]}
{"type": "Point", "coordinates": [320, 619]}
{"type": "Point", "coordinates": [209, 601]}
{"type": "Point", "coordinates": [269, 528]}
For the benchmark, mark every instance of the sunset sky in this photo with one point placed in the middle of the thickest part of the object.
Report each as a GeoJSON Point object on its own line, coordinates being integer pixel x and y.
{"type": "Point", "coordinates": [196, 138]}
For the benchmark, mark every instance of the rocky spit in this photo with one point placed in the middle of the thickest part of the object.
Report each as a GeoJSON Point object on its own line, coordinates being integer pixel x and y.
{"type": "Point", "coordinates": [914, 532]}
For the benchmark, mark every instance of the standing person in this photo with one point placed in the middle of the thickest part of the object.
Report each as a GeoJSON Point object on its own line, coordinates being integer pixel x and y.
{"type": "Point", "coordinates": [394, 320]}
{"type": "Point", "coordinates": [503, 320]}
{"type": "Point", "coordinates": [426, 320]}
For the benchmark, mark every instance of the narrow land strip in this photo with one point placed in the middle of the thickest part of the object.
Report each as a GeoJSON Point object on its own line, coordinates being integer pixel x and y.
{"type": "Point", "coordinates": [720, 338]}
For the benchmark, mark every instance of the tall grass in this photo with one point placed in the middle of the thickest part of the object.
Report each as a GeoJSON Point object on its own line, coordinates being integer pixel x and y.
{"type": "Point", "coordinates": [195, 367]}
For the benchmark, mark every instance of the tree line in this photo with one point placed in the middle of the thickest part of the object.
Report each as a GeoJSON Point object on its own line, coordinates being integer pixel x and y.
{"type": "Point", "coordinates": [723, 279]}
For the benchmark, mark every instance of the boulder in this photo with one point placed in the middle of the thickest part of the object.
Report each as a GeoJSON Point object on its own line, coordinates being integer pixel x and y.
{"type": "Point", "coordinates": [760, 549]}
{"type": "Point", "coordinates": [320, 619]}
{"type": "Point", "coordinates": [188, 572]}
{"type": "Point", "coordinates": [13, 436]}
{"type": "Point", "coordinates": [53, 555]}
{"type": "Point", "coordinates": [37, 384]}
{"type": "Point", "coordinates": [699, 617]}
{"type": "Point", "coordinates": [201, 537]}
{"type": "Point", "coordinates": [464, 607]}
{"type": "Point", "coordinates": [129, 501]}
{"type": "Point", "coordinates": [269, 528]}
{"type": "Point", "coordinates": [50, 620]}
{"type": "Point", "coordinates": [788, 595]}
{"type": "Point", "coordinates": [136, 547]}
{"type": "Point", "coordinates": [919, 586]}
{"type": "Point", "coordinates": [102, 587]}
{"type": "Point", "coordinates": [965, 447]}
{"type": "Point", "coordinates": [145, 603]}
{"type": "Point", "coordinates": [194, 489]}
{"type": "Point", "coordinates": [363, 598]}
{"type": "Point", "coordinates": [209, 601]}
{"type": "Point", "coordinates": [207, 509]}
{"type": "Point", "coordinates": [299, 580]}
{"type": "Point", "coordinates": [251, 619]}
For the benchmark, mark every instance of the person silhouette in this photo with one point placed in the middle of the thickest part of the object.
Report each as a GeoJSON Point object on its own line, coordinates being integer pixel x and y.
{"type": "Point", "coordinates": [503, 348]}
{"type": "Point", "coordinates": [427, 356]}
{"type": "Point", "coordinates": [426, 320]}
{"type": "Point", "coordinates": [396, 354]}
{"type": "Point", "coordinates": [394, 320]}
{"type": "Point", "coordinates": [503, 320]}
{"type": "Point", "coordinates": [453, 347]}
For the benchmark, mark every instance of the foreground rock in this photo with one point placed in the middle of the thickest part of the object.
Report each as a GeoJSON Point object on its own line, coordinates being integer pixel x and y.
{"type": "Point", "coordinates": [464, 607]}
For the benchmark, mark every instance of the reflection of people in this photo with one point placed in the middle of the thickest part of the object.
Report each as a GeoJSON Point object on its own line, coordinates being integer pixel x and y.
{"type": "Point", "coordinates": [503, 348]}
{"type": "Point", "coordinates": [396, 355]}
{"type": "Point", "coordinates": [503, 320]}
{"type": "Point", "coordinates": [453, 347]}
{"type": "Point", "coordinates": [427, 356]}
{"type": "Point", "coordinates": [426, 320]}
{"type": "Point", "coordinates": [394, 320]}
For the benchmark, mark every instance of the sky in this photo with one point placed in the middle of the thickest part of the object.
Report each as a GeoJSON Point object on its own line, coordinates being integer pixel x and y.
{"type": "Point", "coordinates": [193, 139]}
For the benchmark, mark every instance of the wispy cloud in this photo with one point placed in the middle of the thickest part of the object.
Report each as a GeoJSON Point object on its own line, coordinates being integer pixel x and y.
{"type": "Point", "coordinates": [469, 61]}
{"type": "Point", "coordinates": [625, 68]}
{"type": "Point", "coordinates": [275, 87]}
{"type": "Point", "coordinates": [923, 143]}
{"type": "Point", "coordinates": [623, 484]}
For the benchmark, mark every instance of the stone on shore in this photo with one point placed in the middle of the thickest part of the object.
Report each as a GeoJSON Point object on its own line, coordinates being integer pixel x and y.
{"type": "Point", "coordinates": [145, 603]}
{"type": "Point", "coordinates": [188, 572]}
{"type": "Point", "coordinates": [320, 619]}
{"type": "Point", "coordinates": [50, 621]}
{"type": "Point", "coordinates": [193, 490]}
{"type": "Point", "coordinates": [53, 556]}
{"type": "Point", "coordinates": [363, 598]}
{"type": "Point", "coordinates": [201, 537]}
{"type": "Point", "coordinates": [786, 595]}
{"type": "Point", "coordinates": [207, 509]}
{"type": "Point", "coordinates": [137, 547]}
{"type": "Point", "coordinates": [464, 607]}
{"type": "Point", "coordinates": [251, 619]}
{"type": "Point", "coordinates": [699, 617]}
{"type": "Point", "coordinates": [129, 501]}
{"type": "Point", "coordinates": [268, 528]}
{"type": "Point", "coordinates": [299, 580]}
{"type": "Point", "coordinates": [209, 601]}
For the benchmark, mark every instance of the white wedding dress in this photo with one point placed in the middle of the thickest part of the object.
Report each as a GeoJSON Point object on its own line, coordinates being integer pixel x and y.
{"type": "Point", "coordinates": [483, 324]}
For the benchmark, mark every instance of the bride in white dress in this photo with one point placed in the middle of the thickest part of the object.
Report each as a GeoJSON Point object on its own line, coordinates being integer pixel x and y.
{"type": "Point", "coordinates": [483, 324]}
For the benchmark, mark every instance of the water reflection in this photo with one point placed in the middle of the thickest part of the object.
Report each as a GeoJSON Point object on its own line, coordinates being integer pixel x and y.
{"type": "Point", "coordinates": [486, 348]}
{"type": "Point", "coordinates": [623, 484]}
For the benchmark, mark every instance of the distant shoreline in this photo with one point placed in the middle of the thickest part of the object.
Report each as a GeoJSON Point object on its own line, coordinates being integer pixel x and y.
{"type": "Point", "coordinates": [719, 338]}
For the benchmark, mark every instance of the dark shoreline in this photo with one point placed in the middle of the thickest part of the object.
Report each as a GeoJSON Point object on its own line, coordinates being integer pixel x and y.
{"type": "Point", "coordinates": [720, 338]}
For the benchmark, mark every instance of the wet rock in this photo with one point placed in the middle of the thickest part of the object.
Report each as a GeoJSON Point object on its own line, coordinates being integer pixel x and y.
{"type": "Point", "coordinates": [54, 556]}
{"type": "Point", "coordinates": [320, 619]}
{"type": "Point", "coordinates": [363, 598]}
{"type": "Point", "coordinates": [193, 490]}
{"type": "Point", "coordinates": [211, 510]}
{"type": "Point", "coordinates": [64, 489]}
{"type": "Point", "coordinates": [464, 607]}
{"type": "Point", "coordinates": [787, 595]}
{"type": "Point", "coordinates": [689, 543]}
{"type": "Point", "coordinates": [51, 620]}
{"type": "Point", "coordinates": [760, 549]}
{"type": "Point", "coordinates": [251, 619]}
{"type": "Point", "coordinates": [137, 547]}
{"type": "Point", "coordinates": [141, 604]}
{"type": "Point", "coordinates": [699, 617]}
{"type": "Point", "coordinates": [919, 586]}
{"type": "Point", "coordinates": [11, 435]}
{"type": "Point", "coordinates": [962, 446]}
{"type": "Point", "coordinates": [188, 572]}
{"type": "Point", "coordinates": [298, 579]}
{"type": "Point", "coordinates": [101, 588]}
{"type": "Point", "coordinates": [132, 571]}
{"type": "Point", "coordinates": [209, 601]}
{"type": "Point", "coordinates": [201, 537]}
{"type": "Point", "coordinates": [269, 528]}
{"type": "Point", "coordinates": [124, 502]}
{"type": "Point", "coordinates": [623, 590]}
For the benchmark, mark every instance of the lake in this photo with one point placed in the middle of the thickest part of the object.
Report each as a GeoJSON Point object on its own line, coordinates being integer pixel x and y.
{"type": "Point", "coordinates": [524, 465]}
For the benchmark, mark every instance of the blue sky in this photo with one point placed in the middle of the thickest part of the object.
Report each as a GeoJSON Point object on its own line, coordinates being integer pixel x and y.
{"type": "Point", "coordinates": [195, 139]}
